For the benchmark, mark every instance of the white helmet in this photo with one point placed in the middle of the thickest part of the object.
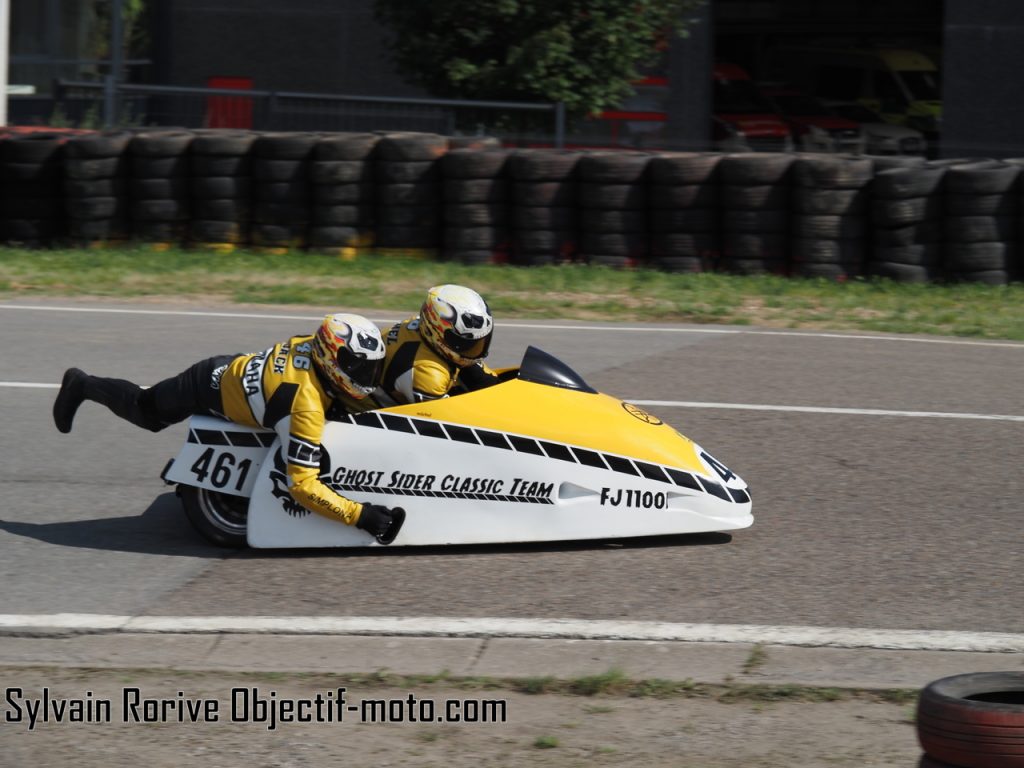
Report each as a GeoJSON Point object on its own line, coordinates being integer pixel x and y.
{"type": "Point", "coordinates": [349, 353]}
{"type": "Point", "coordinates": [457, 324]}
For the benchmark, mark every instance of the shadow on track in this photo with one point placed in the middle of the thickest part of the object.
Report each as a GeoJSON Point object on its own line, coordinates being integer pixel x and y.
{"type": "Point", "coordinates": [161, 530]}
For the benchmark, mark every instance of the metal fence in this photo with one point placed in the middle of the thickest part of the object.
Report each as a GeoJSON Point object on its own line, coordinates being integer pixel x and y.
{"type": "Point", "coordinates": [143, 105]}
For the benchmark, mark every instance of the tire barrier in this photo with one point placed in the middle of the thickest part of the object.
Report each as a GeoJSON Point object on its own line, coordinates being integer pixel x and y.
{"type": "Point", "coordinates": [470, 200]}
{"type": "Point", "coordinates": [545, 228]}
{"type": "Point", "coordinates": [974, 720]}
{"type": "Point", "coordinates": [476, 210]}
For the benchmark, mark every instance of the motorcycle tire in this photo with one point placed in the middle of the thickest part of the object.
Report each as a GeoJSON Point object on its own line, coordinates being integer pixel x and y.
{"type": "Point", "coordinates": [221, 518]}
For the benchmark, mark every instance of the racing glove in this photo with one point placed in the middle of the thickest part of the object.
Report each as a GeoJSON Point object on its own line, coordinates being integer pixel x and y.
{"type": "Point", "coordinates": [383, 523]}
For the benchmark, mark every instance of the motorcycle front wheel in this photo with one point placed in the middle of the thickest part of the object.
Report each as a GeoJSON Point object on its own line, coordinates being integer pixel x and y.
{"type": "Point", "coordinates": [221, 518]}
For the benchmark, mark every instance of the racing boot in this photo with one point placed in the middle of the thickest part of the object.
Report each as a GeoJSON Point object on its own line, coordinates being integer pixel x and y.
{"type": "Point", "coordinates": [71, 395]}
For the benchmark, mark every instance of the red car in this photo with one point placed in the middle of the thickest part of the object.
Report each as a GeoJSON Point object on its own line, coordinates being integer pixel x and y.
{"type": "Point", "coordinates": [743, 118]}
{"type": "Point", "coordinates": [815, 127]}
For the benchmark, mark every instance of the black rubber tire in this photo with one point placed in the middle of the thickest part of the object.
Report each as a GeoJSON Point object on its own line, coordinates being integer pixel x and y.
{"type": "Point", "coordinates": [159, 189]}
{"type": "Point", "coordinates": [221, 187]}
{"type": "Point", "coordinates": [159, 210]}
{"type": "Point", "coordinates": [145, 167]}
{"type": "Point", "coordinates": [745, 246]}
{"type": "Point", "coordinates": [267, 169]}
{"type": "Point", "coordinates": [921, 255]}
{"type": "Point", "coordinates": [902, 212]}
{"type": "Point", "coordinates": [680, 263]}
{"type": "Point", "coordinates": [407, 171]}
{"type": "Point", "coordinates": [755, 222]}
{"type": "Point", "coordinates": [93, 208]}
{"type": "Point", "coordinates": [755, 168]}
{"type": "Point", "coordinates": [475, 190]}
{"type": "Point", "coordinates": [411, 146]}
{"type": "Point", "coordinates": [613, 243]}
{"type": "Point", "coordinates": [683, 168]}
{"type": "Point", "coordinates": [97, 230]}
{"type": "Point", "coordinates": [683, 195]}
{"type": "Point", "coordinates": [107, 144]}
{"type": "Point", "coordinates": [827, 251]}
{"type": "Point", "coordinates": [545, 218]}
{"type": "Point", "coordinates": [545, 193]}
{"type": "Point", "coordinates": [95, 187]}
{"type": "Point", "coordinates": [746, 197]}
{"type": "Point", "coordinates": [980, 257]}
{"type": "Point", "coordinates": [593, 220]}
{"type": "Point", "coordinates": [334, 237]}
{"type": "Point", "coordinates": [400, 216]}
{"type": "Point", "coordinates": [614, 167]}
{"type": "Point", "coordinates": [229, 209]}
{"type": "Point", "coordinates": [340, 171]}
{"type": "Point", "coordinates": [544, 240]}
{"type": "Point", "coordinates": [357, 215]}
{"type": "Point", "coordinates": [161, 143]}
{"type": "Point", "coordinates": [42, 207]}
{"type": "Point", "coordinates": [475, 215]}
{"type": "Point", "coordinates": [612, 196]}
{"type": "Point", "coordinates": [482, 256]}
{"type": "Point", "coordinates": [220, 165]}
{"type": "Point", "coordinates": [343, 194]}
{"type": "Point", "coordinates": [346, 146]}
{"type": "Point", "coordinates": [223, 144]}
{"type": "Point", "coordinates": [474, 164]}
{"type": "Point", "coordinates": [219, 518]}
{"type": "Point", "coordinates": [836, 272]}
{"type": "Point", "coordinates": [985, 277]}
{"type": "Point", "coordinates": [159, 231]}
{"type": "Point", "coordinates": [33, 148]}
{"type": "Point", "coordinates": [408, 194]}
{"type": "Point", "coordinates": [408, 237]}
{"type": "Point", "coordinates": [216, 231]}
{"type": "Point", "coordinates": [913, 181]}
{"type": "Point", "coordinates": [829, 227]}
{"type": "Point", "coordinates": [685, 220]}
{"type": "Point", "coordinates": [613, 260]}
{"type": "Point", "coordinates": [829, 202]}
{"type": "Point", "coordinates": [979, 229]}
{"type": "Point", "coordinates": [45, 171]}
{"type": "Point", "coordinates": [984, 177]}
{"type": "Point", "coordinates": [980, 205]}
{"type": "Point", "coordinates": [285, 146]}
{"type": "Point", "coordinates": [281, 191]}
{"type": "Point", "coordinates": [87, 169]}
{"type": "Point", "coordinates": [915, 234]}
{"type": "Point", "coordinates": [684, 244]}
{"type": "Point", "coordinates": [974, 720]}
{"type": "Point", "coordinates": [474, 142]}
{"type": "Point", "coordinates": [543, 164]}
{"type": "Point", "coordinates": [830, 172]}
{"type": "Point", "coordinates": [473, 238]}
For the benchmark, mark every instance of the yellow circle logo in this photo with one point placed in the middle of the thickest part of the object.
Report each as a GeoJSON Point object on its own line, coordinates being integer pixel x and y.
{"type": "Point", "coordinates": [640, 413]}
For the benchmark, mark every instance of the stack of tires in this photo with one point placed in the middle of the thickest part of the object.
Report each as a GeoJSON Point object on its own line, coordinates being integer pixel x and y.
{"type": "Point", "coordinates": [684, 211]}
{"type": "Point", "coordinates": [221, 183]}
{"type": "Point", "coordinates": [343, 193]}
{"type": "Point", "coordinates": [829, 226]}
{"type": "Point", "coordinates": [31, 189]}
{"type": "Point", "coordinates": [407, 173]}
{"type": "Point", "coordinates": [613, 208]}
{"type": "Point", "coordinates": [476, 209]}
{"type": "Point", "coordinates": [281, 191]}
{"type": "Point", "coordinates": [96, 187]}
{"type": "Point", "coordinates": [980, 225]}
{"type": "Point", "coordinates": [545, 225]}
{"type": "Point", "coordinates": [755, 200]}
{"type": "Point", "coordinates": [972, 720]}
{"type": "Point", "coordinates": [906, 223]}
{"type": "Point", "coordinates": [159, 186]}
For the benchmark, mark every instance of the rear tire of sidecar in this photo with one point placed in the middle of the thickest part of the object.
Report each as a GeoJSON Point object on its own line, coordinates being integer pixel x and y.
{"type": "Point", "coordinates": [221, 518]}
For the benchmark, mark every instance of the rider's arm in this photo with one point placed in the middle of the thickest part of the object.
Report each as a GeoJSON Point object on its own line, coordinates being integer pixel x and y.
{"type": "Point", "coordinates": [300, 437]}
{"type": "Point", "coordinates": [429, 380]}
{"type": "Point", "coordinates": [477, 376]}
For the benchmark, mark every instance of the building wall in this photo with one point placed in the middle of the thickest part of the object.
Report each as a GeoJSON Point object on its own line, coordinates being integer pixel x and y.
{"type": "Point", "coordinates": [322, 46]}
{"type": "Point", "coordinates": [983, 92]}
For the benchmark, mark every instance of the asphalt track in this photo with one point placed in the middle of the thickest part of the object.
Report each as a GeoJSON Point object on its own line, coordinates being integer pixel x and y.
{"type": "Point", "coordinates": [878, 521]}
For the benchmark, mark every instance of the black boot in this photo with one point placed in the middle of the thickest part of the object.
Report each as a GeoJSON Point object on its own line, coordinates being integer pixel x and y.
{"type": "Point", "coordinates": [71, 395]}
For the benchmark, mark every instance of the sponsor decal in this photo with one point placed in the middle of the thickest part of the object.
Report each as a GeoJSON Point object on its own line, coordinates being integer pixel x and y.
{"type": "Point", "coordinates": [281, 358]}
{"type": "Point", "coordinates": [637, 412]}
{"type": "Point", "coordinates": [628, 497]}
{"type": "Point", "coordinates": [216, 375]}
{"type": "Point", "coordinates": [400, 483]}
{"type": "Point", "coordinates": [279, 477]}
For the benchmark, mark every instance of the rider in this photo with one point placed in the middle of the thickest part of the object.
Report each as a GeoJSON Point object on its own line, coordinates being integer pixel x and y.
{"type": "Point", "coordinates": [287, 387]}
{"type": "Point", "coordinates": [429, 354]}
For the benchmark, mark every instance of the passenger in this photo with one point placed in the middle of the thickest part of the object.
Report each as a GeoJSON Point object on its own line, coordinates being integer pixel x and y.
{"type": "Point", "coordinates": [287, 388]}
{"type": "Point", "coordinates": [440, 348]}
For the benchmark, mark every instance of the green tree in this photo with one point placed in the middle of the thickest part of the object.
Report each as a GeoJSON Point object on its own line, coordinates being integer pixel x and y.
{"type": "Point", "coordinates": [582, 52]}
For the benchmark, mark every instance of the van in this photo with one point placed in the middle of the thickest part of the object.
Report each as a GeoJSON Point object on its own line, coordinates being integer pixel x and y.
{"type": "Point", "coordinates": [901, 85]}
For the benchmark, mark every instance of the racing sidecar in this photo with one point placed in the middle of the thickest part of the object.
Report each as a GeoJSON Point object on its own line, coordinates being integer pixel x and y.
{"type": "Point", "coordinates": [541, 456]}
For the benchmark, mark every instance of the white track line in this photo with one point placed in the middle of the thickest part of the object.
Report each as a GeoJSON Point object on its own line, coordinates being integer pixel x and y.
{"type": "Point", "coordinates": [563, 629]}
{"type": "Point", "coordinates": [842, 411]}
{"type": "Point", "coordinates": [536, 326]}
{"type": "Point", "coordinates": [729, 406]}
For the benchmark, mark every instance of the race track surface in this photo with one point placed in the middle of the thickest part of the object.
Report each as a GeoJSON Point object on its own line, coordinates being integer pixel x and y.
{"type": "Point", "coordinates": [895, 521]}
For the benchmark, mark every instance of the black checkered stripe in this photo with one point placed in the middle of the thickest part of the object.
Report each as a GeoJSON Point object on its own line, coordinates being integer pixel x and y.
{"type": "Point", "coordinates": [560, 451]}
{"type": "Point", "coordinates": [442, 494]}
{"type": "Point", "coordinates": [236, 439]}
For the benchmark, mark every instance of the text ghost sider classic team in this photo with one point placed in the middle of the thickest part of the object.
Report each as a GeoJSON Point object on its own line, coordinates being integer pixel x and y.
{"type": "Point", "coordinates": [288, 387]}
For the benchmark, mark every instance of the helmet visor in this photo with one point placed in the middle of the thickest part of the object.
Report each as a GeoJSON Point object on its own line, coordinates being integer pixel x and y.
{"type": "Point", "coordinates": [362, 370]}
{"type": "Point", "coordinates": [468, 347]}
